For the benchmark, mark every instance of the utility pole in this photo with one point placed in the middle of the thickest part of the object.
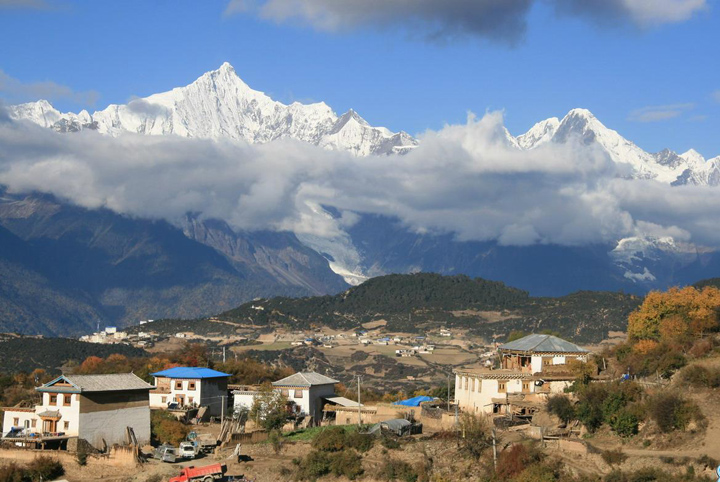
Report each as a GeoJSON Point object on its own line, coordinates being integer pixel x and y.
{"type": "Point", "coordinates": [494, 449]}
{"type": "Point", "coordinates": [359, 411]}
{"type": "Point", "coordinates": [223, 354]}
{"type": "Point", "coordinates": [222, 409]}
{"type": "Point", "coordinates": [448, 394]}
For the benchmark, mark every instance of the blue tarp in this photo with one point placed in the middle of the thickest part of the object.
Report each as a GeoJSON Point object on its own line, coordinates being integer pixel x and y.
{"type": "Point", "coordinates": [415, 401]}
{"type": "Point", "coordinates": [190, 372]}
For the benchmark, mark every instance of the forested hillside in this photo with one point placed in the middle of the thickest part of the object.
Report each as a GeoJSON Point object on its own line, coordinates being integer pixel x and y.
{"type": "Point", "coordinates": [423, 301]}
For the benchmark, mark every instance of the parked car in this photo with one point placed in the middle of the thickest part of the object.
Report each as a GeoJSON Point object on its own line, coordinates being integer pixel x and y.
{"type": "Point", "coordinates": [188, 450]}
{"type": "Point", "coordinates": [166, 453]}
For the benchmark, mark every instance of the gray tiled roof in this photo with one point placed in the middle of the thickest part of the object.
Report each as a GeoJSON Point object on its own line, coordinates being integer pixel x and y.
{"type": "Point", "coordinates": [542, 343]}
{"type": "Point", "coordinates": [101, 383]}
{"type": "Point", "coordinates": [305, 379]}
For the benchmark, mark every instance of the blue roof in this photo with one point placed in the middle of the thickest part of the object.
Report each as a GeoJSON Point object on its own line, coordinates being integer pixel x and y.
{"type": "Point", "coordinates": [190, 372]}
{"type": "Point", "coordinates": [415, 401]}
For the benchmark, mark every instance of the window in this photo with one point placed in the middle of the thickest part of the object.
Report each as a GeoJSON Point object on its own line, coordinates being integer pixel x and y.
{"type": "Point", "coordinates": [285, 392]}
{"type": "Point", "coordinates": [479, 386]}
{"type": "Point", "coordinates": [466, 382]}
{"type": "Point", "coordinates": [163, 399]}
{"type": "Point", "coordinates": [547, 361]}
{"type": "Point", "coordinates": [66, 425]}
{"type": "Point", "coordinates": [472, 384]}
{"type": "Point", "coordinates": [501, 387]}
{"type": "Point", "coordinates": [178, 385]}
{"type": "Point", "coordinates": [526, 387]}
{"type": "Point", "coordinates": [53, 399]}
{"type": "Point", "coordinates": [67, 399]}
{"type": "Point", "coordinates": [16, 422]}
{"type": "Point", "coordinates": [33, 423]}
{"type": "Point", "coordinates": [298, 394]}
{"type": "Point", "coordinates": [191, 385]}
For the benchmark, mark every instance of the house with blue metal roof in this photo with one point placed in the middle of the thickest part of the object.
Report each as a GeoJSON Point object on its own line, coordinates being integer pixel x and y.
{"type": "Point", "coordinates": [190, 387]}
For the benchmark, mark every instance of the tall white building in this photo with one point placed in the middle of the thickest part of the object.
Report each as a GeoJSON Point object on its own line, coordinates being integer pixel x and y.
{"type": "Point", "coordinates": [531, 368]}
{"type": "Point", "coordinates": [97, 408]}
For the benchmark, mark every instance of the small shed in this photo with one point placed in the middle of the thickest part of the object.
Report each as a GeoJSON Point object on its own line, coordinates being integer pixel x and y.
{"type": "Point", "coordinates": [396, 426]}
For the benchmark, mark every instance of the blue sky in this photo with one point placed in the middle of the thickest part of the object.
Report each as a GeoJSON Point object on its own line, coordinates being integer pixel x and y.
{"type": "Point", "coordinates": [626, 72]}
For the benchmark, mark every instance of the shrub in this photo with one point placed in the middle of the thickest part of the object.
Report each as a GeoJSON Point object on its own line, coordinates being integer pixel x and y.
{"type": "Point", "coordinates": [12, 472]}
{"type": "Point", "coordinates": [332, 439]}
{"type": "Point", "coordinates": [672, 412]}
{"type": "Point", "coordinates": [314, 465]}
{"type": "Point", "coordinates": [561, 407]}
{"type": "Point", "coordinates": [362, 442]}
{"type": "Point", "coordinates": [276, 440]}
{"type": "Point", "coordinates": [346, 463]}
{"type": "Point", "coordinates": [398, 470]}
{"type": "Point", "coordinates": [515, 459]}
{"type": "Point", "coordinates": [44, 468]}
{"type": "Point", "coordinates": [613, 457]}
{"type": "Point", "coordinates": [165, 428]}
{"type": "Point", "coordinates": [476, 434]}
{"type": "Point", "coordinates": [389, 442]}
{"type": "Point", "coordinates": [624, 423]}
{"type": "Point", "coordinates": [700, 377]}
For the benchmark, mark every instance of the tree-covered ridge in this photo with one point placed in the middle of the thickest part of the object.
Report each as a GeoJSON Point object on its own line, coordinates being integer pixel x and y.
{"type": "Point", "coordinates": [422, 301]}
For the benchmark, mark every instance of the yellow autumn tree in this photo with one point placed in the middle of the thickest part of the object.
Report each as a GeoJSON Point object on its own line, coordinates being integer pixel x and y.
{"type": "Point", "coordinates": [675, 312]}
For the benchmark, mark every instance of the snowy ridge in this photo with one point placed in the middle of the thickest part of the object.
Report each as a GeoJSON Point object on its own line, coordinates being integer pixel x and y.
{"type": "Point", "coordinates": [220, 105]}
{"type": "Point", "coordinates": [665, 166]}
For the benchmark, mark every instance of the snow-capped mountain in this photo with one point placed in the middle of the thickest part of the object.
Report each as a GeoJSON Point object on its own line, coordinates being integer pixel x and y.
{"type": "Point", "coordinates": [220, 105]}
{"type": "Point", "coordinates": [665, 166]}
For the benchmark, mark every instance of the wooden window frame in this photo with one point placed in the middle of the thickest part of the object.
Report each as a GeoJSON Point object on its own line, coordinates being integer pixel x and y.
{"type": "Point", "coordinates": [178, 385]}
{"type": "Point", "coordinates": [67, 400]}
{"type": "Point", "coordinates": [526, 387]}
{"type": "Point", "coordinates": [163, 399]}
{"type": "Point", "coordinates": [66, 425]}
{"type": "Point", "coordinates": [16, 421]}
{"type": "Point", "coordinates": [191, 385]}
{"type": "Point", "coordinates": [33, 423]}
{"type": "Point", "coordinates": [298, 394]}
{"type": "Point", "coordinates": [53, 399]}
{"type": "Point", "coordinates": [502, 386]}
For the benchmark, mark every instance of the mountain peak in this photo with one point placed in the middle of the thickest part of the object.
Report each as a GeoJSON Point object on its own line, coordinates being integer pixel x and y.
{"type": "Point", "coordinates": [579, 112]}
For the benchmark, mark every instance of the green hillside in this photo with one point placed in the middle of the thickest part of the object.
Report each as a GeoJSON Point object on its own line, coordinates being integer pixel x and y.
{"type": "Point", "coordinates": [423, 301]}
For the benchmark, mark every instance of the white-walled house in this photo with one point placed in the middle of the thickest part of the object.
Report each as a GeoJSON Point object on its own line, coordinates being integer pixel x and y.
{"type": "Point", "coordinates": [530, 368]}
{"type": "Point", "coordinates": [308, 390]}
{"type": "Point", "coordinates": [97, 408]}
{"type": "Point", "coordinates": [190, 387]}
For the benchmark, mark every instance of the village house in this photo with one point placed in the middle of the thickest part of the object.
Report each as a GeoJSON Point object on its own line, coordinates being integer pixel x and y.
{"type": "Point", "coordinates": [309, 391]}
{"type": "Point", "coordinates": [190, 387]}
{"type": "Point", "coordinates": [531, 368]}
{"type": "Point", "coordinates": [96, 408]}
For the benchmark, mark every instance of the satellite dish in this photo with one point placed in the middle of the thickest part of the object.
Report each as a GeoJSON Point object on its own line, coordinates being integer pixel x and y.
{"type": "Point", "coordinates": [718, 472]}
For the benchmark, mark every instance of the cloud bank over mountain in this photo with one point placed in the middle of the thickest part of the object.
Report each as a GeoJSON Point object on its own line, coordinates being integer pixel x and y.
{"type": "Point", "coordinates": [465, 179]}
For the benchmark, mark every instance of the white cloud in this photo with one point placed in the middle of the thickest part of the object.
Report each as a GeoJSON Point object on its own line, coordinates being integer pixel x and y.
{"type": "Point", "coordinates": [716, 95]}
{"type": "Point", "coordinates": [14, 90]}
{"type": "Point", "coordinates": [464, 179]}
{"type": "Point", "coordinates": [656, 113]}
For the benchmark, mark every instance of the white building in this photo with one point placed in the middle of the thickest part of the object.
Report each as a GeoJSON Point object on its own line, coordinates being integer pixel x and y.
{"type": "Point", "coordinates": [97, 408]}
{"type": "Point", "coordinates": [190, 387]}
{"type": "Point", "coordinates": [531, 368]}
{"type": "Point", "coordinates": [309, 391]}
